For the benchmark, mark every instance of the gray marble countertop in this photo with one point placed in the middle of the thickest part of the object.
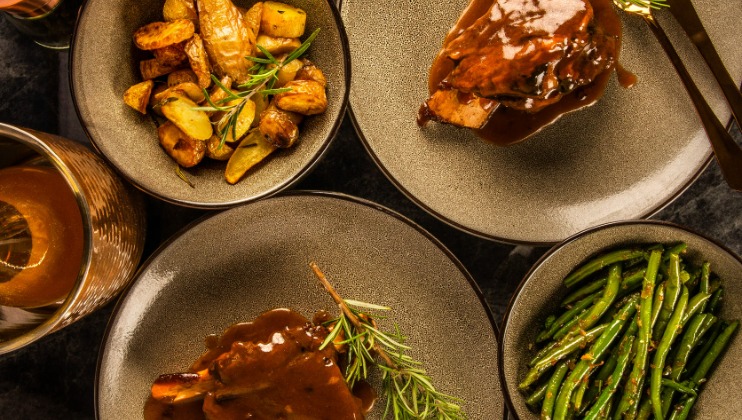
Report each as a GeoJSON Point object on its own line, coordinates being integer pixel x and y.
{"type": "Point", "coordinates": [54, 378]}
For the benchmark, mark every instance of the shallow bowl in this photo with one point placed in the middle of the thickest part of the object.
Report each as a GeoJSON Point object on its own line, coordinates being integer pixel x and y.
{"type": "Point", "coordinates": [541, 290]}
{"type": "Point", "coordinates": [104, 63]}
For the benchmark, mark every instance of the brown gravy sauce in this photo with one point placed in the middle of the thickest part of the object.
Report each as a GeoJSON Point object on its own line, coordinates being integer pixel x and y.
{"type": "Point", "coordinates": [293, 376]}
{"type": "Point", "coordinates": [508, 126]}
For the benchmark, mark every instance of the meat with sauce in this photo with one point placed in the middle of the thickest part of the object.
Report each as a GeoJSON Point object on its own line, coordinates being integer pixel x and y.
{"type": "Point", "coordinates": [525, 55]}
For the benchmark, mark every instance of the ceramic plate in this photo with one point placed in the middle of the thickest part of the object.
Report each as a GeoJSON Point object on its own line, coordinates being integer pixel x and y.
{"type": "Point", "coordinates": [541, 290]}
{"type": "Point", "coordinates": [237, 264]}
{"type": "Point", "coordinates": [625, 157]}
{"type": "Point", "coordinates": [104, 63]}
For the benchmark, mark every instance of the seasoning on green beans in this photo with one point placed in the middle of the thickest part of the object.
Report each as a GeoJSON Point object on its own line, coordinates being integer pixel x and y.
{"type": "Point", "coordinates": [608, 353]}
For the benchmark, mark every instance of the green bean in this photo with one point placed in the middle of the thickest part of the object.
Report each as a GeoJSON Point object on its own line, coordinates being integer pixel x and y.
{"type": "Point", "coordinates": [630, 398]}
{"type": "Point", "coordinates": [683, 410]}
{"type": "Point", "coordinates": [579, 394]}
{"type": "Point", "coordinates": [695, 305]}
{"type": "Point", "coordinates": [645, 409]}
{"type": "Point", "coordinates": [632, 280]}
{"type": "Point", "coordinates": [704, 348]}
{"type": "Point", "coordinates": [714, 305]}
{"type": "Point", "coordinates": [672, 292]}
{"type": "Point", "coordinates": [590, 316]}
{"type": "Point", "coordinates": [622, 362]}
{"type": "Point", "coordinates": [552, 387]}
{"type": "Point", "coordinates": [549, 321]}
{"type": "Point", "coordinates": [583, 291]}
{"type": "Point", "coordinates": [566, 316]}
{"type": "Point", "coordinates": [717, 348]}
{"type": "Point", "coordinates": [696, 328]}
{"type": "Point", "coordinates": [537, 396]}
{"type": "Point", "coordinates": [659, 297]}
{"type": "Point", "coordinates": [600, 262]}
{"type": "Point", "coordinates": [673, 328]}
{"type": "Point", "coordinates": [560, 353]}
{"type": "Point", "coordinates": [596, 352]}
{"type": "Point", "coordinates": [678, 387]}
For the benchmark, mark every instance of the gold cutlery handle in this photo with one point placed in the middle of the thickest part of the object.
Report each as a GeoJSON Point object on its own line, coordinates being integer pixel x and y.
{"type": "Point", "coordinates": [728, 153]}
{"type": "Point", "coordinates": [686, 15]}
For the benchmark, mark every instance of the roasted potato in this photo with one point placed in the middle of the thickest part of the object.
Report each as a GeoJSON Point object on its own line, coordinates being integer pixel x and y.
{"type": "Point", "coordinates": [199, 60]}
{"type": "Point", "coordinates": [306, 97]}
{"type": "Point", "coordinates": [154, 104]}
{"type": "Point", "coordinates": [179, 9]}
{"type": "Point", "coordinates": [244, 120]}
{"type": "Point", "coordinates": [162, 34]}
{"type": "Point", "coordinates": [283, 21]}
{"type": "Point", "coordinates": [261, 103]}
{"type": "Point", "coordinates": [226, 38]}
{"type": "Point", "coordinates": [217, 150]}
{"type": "Point", "coordinates": [288, 73]}
{"type": "Point", "coordinates": [172, 55]}
{"type": "Point", "coordinates": [179, 109]}
{"type": "Point", "coordinates": [185, 150]}
{"type": "Point", "coordinates": [181, 76]}
{"type": "Point", "coordinates": [189, 89]}
{"type": "Point", "coordinates": [253, 16]}
{"type": "Point", "coordinates": [279, 126]}
{"type": "Point", "coordinates": [277, 46]}
{"type": "Point", "coordinates": [152, 69]}
{"type": "Point", "coordinates": [311, 72]}
{"type": "Point", "coordinates": [251, 151]}
{"type": "Point", "coordinates": [137, 96]}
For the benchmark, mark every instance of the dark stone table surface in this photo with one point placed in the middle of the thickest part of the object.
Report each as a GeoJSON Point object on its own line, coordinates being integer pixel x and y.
{"type": "Point", "coordinates": [54, 377]}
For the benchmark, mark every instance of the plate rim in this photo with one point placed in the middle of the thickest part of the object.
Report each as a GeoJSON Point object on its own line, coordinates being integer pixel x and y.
{"type": "Point", "coordinates": [330, 195]}
{"type": "Point", "coordinates": [502, 239]}
{"type": "Point", "coordinates": [220, 205]}
{"type": "Point", "coordinates": [577, 236]}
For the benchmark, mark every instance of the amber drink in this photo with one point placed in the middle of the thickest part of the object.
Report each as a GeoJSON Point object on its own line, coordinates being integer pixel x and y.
{"type": "Point", "coordinates": [41, 237]}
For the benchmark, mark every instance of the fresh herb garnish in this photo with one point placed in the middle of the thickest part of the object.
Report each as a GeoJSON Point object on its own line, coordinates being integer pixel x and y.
{"type": "Point", "coordinates": [181, 175]}
{"type": "Point", "coordinates": [263, 76]}
{"type": "Point", "coordinates": [408, 389]}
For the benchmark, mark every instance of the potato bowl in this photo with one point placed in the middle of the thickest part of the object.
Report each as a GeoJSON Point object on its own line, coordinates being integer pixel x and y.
{"type": "Point", "coordinates": [541, 291]}
{"type": "Point", "coordinates": [104, 63]}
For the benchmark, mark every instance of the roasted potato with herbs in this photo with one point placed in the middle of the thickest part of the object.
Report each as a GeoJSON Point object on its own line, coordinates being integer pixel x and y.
{"type": "Point", "coordinates": [185, 150]}
{"type": "Point", "coordinates": [283, 21]}
{"type": "Point", "coordinates": [203, 39]}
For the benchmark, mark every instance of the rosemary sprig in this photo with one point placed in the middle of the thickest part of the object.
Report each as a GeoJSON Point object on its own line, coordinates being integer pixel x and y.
{"type": "Point", "coordinates": [181, 175]}
{"type": "Point", "coordinates": [263, 76]}
{"type": "Point", "coordinates": [652, 4]}
{"type": "Point", "coordinates": [409, 390]}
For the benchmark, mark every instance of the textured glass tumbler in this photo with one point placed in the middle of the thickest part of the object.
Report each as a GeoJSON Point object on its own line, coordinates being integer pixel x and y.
{"type": "Point", "coordinates": [48, 22]}
{"type": "Point", "coordinates": [113, 221]}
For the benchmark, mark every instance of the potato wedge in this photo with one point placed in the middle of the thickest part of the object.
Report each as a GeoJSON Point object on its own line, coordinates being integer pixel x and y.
{"type": "Point", "coordinates": [137, 96]}
{"type": "Point", "coordinates": [199, 60]}
{"type": "Point", "coordinates": [226, 38]}
{"type": "Point", "coordinates": [172, 55]}
{"type": "Point", "coordinates": [261, 103]}
{"type": "Point", "coordinates": [189, 89]}
{"type": "Point", "coordinates": [179, 9]}
{"type": "Point", "coordinates": [276, 45]}
{"type": "Point", "coordinates": [161, 34]}
{"type": "Point", "coordinates": [218, 151]}
{"type": "Point", "coordinates": [154, 104]}
{"type": "Point", "coordinates": [152, 69]}
{"type": "Point", "coordinates": [179, 109]}
{"type": "Point", "coordinates": [288, 73]}
{"type": "Point", "coordinates": [251, 151]}
{"type": "Point", "coordinates": [311, 72]}
{"type": "Point", "coordinates": [244, 120]}
{"type": "Point", "coordinates": [185, 150]}
{"type": "Point", "coordinates": [306, 97]}
{"type": "Point", "coordinates": [253, 16]}
{"type": "Point", "coordinates": [279, 126]}
{"type": "Point", "coordinates": [282, 20]}
{"type": "Point", "coordinates": [181, 76]}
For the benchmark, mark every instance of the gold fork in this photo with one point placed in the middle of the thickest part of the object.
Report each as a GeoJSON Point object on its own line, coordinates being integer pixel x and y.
{"type": "Point", "coordinates": [728, 153]}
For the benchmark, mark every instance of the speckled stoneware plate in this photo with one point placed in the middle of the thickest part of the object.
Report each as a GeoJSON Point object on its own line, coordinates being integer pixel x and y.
{"type": "Point", "coordinates": [105, 63]}
{"type": "Point", "coordinates": [237, 264]}
{"type": "Point", "coordinates": [541, 290]}
{"type": "Point", "coordinates": [623, 158]}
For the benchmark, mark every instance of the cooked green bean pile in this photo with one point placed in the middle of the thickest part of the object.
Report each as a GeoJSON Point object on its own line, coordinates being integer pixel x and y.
{"type": "Point", "coordinates": [636, 337]}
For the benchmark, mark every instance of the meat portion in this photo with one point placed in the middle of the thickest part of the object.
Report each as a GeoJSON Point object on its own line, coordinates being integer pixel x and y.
{"type": "Point", "coordinates": [520, 54]}
{"type": "Point", "coordinates": [271, 368]}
